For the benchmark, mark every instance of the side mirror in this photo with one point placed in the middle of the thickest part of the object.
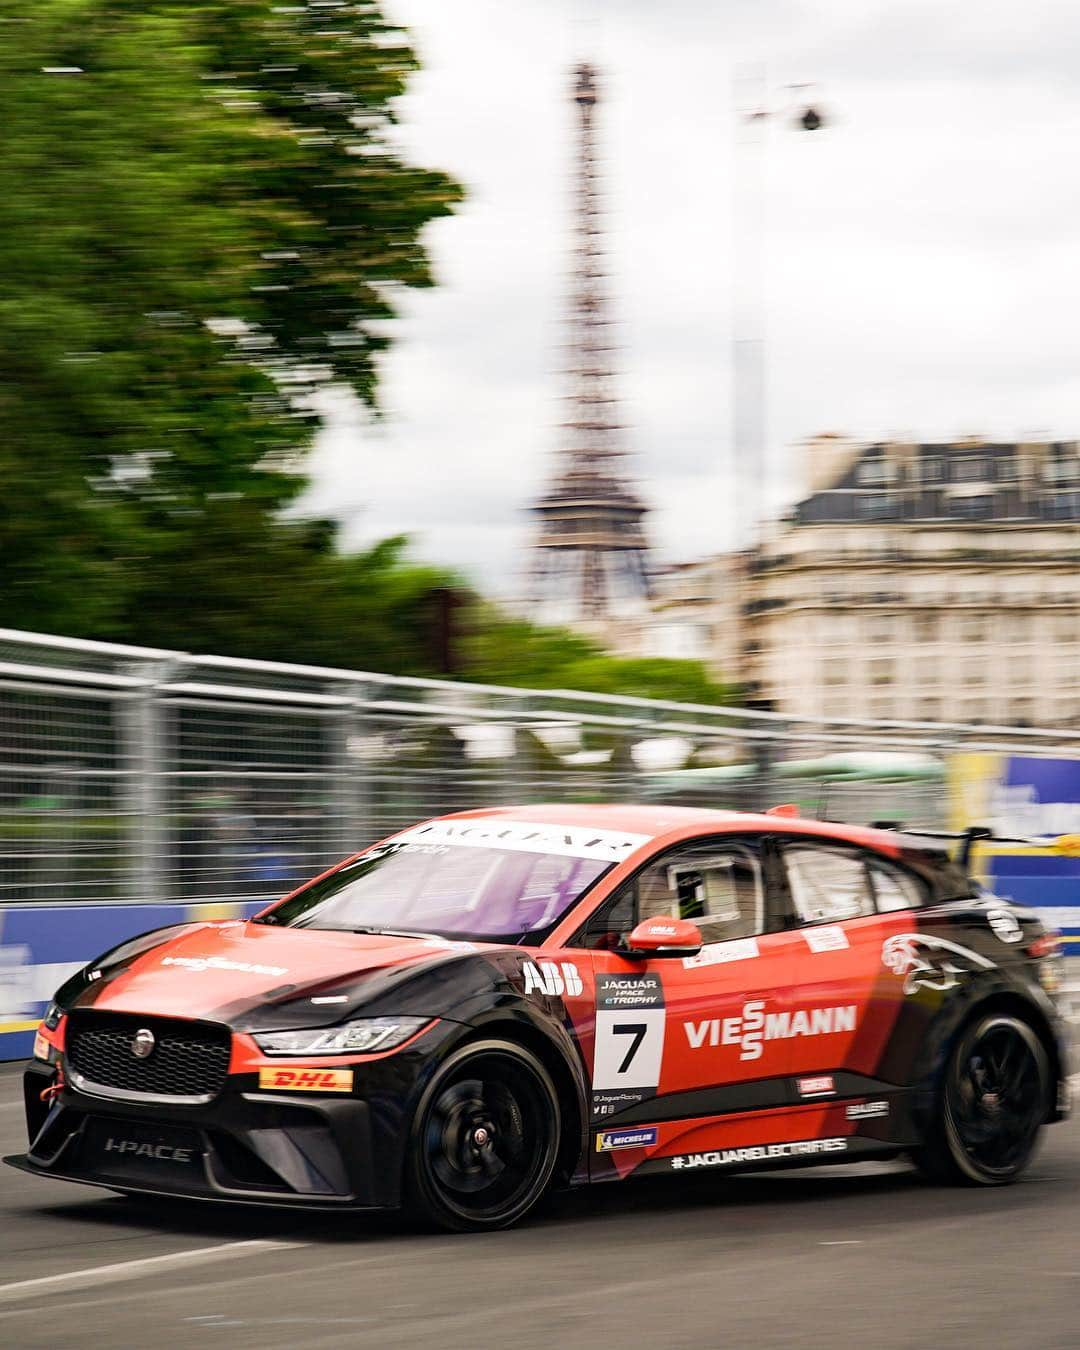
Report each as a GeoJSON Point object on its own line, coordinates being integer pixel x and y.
{"type": "Point", "coordinates": [661, 937]}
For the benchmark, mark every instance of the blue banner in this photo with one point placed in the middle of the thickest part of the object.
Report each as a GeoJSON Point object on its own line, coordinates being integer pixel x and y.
{"type": "Point", "coordinates": [42, 945]}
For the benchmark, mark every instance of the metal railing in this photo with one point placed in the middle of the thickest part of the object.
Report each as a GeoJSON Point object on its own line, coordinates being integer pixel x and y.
{"type": "Point", "coordinates": [136, 774]}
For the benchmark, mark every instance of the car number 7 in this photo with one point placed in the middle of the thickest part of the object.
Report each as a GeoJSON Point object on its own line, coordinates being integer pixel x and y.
{"type": "Point", "coordinates": [635, 1029]}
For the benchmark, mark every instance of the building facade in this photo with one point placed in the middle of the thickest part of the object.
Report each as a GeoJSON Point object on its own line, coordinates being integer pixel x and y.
{"type": "Point", "coordinates": [697, 613]}
{"type": "Point", "coordinates": [929, 582]}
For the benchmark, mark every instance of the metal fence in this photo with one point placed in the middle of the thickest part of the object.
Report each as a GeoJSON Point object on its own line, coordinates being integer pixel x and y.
{"type": "Point", "coordinates": [134, 774]}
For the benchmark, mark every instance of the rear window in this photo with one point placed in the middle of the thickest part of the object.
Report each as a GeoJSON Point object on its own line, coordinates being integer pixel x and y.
{"type": "Point", "coordinates": [828, 885]}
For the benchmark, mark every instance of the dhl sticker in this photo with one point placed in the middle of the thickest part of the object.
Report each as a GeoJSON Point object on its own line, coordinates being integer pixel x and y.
{"type": "Point", "coordinates": [307, 1080]}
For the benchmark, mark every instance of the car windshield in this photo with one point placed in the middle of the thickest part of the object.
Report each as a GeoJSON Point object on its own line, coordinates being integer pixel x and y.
{"type": "Point", "coordinates": [481, 880]}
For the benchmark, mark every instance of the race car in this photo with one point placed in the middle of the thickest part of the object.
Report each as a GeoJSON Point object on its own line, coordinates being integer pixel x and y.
{"type": "Point", "coordinates": [495, 1003]}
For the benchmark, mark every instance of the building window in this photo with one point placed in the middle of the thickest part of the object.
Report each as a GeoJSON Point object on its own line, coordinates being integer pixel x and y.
{"type": "Point", "coordinates": [1064, 505]}
{"type": "Point", "coordinates": [1065, 627]}
{"type": "Point", "coordinates": [1061, 469]}
{"type": "Point", "coordinates": [974, 672]}
{"type": "Point", "coordinates": [933, 469]}
{"type": "Point", "coordinates": [972, 627]}
{"type": "Point", "coordinates": [1006, 469]}
{"type": "Point", "coordinates": [1020, 712]}
{"type": "Point", "coordinates": [875, 506]}
{"type": "Point", "coordinates": [930, 709]}
{"type": "Point", "coordinates": [882, 670]}
{"type": "Point", "coordinates": [873, 471]}
{"type": "Point", "coordinates": [970, 469]}
{"type": "Point", "coordinates": [926, 627]}
{"type": "Point", "coordinates": [974, 507]}
{"type": "Point", "coordinates": [878, 627]}
{"type": "Point", "coordinates": [880, 709]}
{"type": "Point", "coordinates": [835, 670]}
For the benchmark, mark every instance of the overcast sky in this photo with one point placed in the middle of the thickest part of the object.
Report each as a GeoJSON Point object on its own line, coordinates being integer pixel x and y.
{"type": "Point", "coordinates": [921, 252]}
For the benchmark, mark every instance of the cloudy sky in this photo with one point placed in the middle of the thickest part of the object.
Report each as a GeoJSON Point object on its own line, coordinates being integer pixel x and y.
{"type": "Point", "coordinates": [922, 254]}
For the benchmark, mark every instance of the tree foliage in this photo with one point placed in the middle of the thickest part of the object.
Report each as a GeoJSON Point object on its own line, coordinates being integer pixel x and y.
{"type": "Point", "coordinates": [202, 214]}
{"type": "Point", "coordinates": [504, 650]}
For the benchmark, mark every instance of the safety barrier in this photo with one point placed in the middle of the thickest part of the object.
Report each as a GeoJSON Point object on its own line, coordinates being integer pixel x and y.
{"type": "Point", "coordinates": [141, 787]}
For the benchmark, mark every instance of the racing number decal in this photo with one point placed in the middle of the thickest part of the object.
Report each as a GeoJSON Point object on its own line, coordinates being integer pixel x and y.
{"type": "Point", "coordinates": [629, 1041]}
{"type": "Point", "coordinates": [636, 1029]}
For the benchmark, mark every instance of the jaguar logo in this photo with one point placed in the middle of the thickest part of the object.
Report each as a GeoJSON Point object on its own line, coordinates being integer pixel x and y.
{"type": "Point", "coordinates": [142, 1043]}
{"type": "Point", "coordinates": [928, 962]}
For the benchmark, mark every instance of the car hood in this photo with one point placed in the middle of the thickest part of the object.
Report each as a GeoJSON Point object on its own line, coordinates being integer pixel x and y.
{"type": "Point", "coordinates": [239, 971]}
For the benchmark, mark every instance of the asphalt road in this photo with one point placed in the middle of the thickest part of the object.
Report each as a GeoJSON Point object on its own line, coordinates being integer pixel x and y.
{"type": "Point", "coordinates": [868, 1257]}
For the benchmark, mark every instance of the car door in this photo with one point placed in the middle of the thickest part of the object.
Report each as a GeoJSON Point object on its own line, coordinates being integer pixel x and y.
{"type": "Point", "coordinates": [683, 1038]}
{"type": "Point", "coordinates": [842, 1006]}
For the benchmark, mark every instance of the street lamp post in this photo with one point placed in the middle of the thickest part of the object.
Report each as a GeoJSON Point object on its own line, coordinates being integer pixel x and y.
{"type": "Point", "coordinates": [749, 424]}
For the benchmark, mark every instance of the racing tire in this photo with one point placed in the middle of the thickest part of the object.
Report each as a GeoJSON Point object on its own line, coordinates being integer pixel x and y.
{"type": "Point", "coordinates": [991, 1105]}
{"type": "Point", "coordinates": [484, 1140]}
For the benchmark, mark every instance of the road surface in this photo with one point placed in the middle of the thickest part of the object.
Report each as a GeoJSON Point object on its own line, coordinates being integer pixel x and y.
{"type": "Point", "coordinates": [868, 1257]}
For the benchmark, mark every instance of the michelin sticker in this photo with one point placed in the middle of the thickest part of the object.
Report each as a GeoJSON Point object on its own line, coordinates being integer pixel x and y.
{"type": "Point", "coordinates": [641, 1137]}
{"type": "Point", "coordinates": [629, 1048]}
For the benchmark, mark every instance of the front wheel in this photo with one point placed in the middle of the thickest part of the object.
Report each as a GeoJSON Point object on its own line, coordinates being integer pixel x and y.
{"type": "Point", "coordinates": [992, 1104]}
{"type": "Point", "coordinates": [484, 1140]}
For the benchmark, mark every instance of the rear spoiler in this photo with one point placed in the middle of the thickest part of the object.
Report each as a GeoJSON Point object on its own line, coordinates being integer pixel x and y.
{"type": "Point", "coordinates": [1067, 844]}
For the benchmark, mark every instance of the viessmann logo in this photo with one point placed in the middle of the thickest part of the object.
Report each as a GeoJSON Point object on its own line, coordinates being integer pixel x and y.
{"type": "Point", "coordinates": [755, 1026]}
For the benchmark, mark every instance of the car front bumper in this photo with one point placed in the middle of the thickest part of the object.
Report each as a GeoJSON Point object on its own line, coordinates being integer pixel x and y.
{"type": "Point", "coordinates": [246, 1146]}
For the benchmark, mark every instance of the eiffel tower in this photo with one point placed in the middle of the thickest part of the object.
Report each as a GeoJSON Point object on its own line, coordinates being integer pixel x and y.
{"type": "Point", "coordinates": [589, 550]}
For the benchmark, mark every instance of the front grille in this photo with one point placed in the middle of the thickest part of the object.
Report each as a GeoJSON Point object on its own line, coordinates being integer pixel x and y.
{"type": "Point", "coordinates": [189, 1059]}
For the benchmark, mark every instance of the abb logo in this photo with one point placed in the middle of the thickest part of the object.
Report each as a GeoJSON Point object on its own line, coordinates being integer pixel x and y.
{"type": "Point", "coordinates": [307, 1080]}
{"type": "Point", "coordinates": [551, 978]}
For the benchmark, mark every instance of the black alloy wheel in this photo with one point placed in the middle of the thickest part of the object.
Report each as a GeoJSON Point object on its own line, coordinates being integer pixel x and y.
{"type": "Point", "coordinates": [485, 1139]}
{"type": "Point", "coordinates": [994, 1103]}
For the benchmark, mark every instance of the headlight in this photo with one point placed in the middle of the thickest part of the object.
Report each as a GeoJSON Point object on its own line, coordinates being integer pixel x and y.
{"type": "Point", "coordinates": [372, 1033]}
{"type": "Point", "coordinates": [53, 1014]}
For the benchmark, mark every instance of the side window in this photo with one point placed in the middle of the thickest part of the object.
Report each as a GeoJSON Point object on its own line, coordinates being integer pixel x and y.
{"type": "Point", "coordinates": [613, 918]}
{"type": "Point", "coordinates": [718, 887]}
{"type": "Point", "coordinates": [894, 889]}
{"type": "Point", "coordinates": [827, 884]}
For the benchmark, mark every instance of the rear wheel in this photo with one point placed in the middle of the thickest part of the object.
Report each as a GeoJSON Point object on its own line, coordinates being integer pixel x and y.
{"type": "Point", "coordinates": [992, 1104]}
{"type": "Point", "coordinates": [485, 1139]}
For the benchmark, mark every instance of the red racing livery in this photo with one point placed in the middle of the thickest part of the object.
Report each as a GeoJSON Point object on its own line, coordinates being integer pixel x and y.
{"type": "Point", "coordinates": [496, 1002]}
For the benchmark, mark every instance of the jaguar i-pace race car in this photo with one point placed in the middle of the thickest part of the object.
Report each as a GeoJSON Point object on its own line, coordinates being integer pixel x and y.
{"type": "Point", "coordinates": [494, 1003]}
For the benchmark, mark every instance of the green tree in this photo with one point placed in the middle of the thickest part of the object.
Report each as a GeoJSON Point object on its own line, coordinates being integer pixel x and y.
{"type": "Point", "coordinates": [499, 649]}
{"type": "Point", "coordinates": [202, 214]}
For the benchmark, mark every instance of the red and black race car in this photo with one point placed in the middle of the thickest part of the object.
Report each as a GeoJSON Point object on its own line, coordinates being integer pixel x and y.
{"type": "Point", "coordinates": [496, 1002]}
